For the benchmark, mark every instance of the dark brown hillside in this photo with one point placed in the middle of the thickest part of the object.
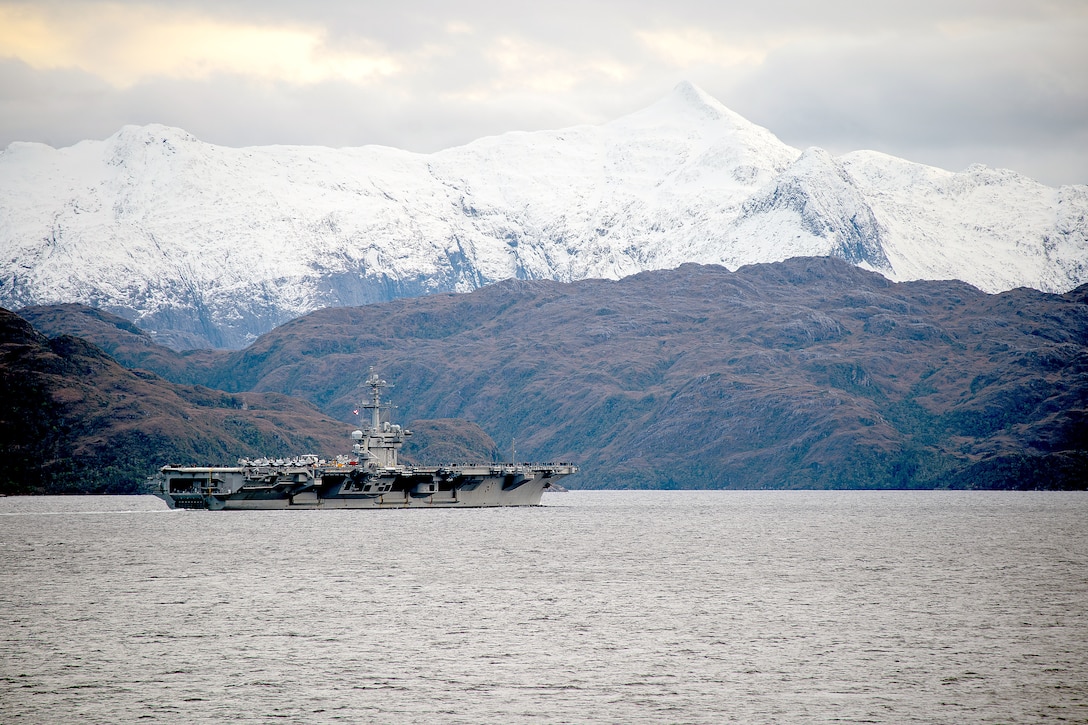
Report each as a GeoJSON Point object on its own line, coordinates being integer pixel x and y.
{"type": "Point", "coordinates": [123, 341]}
{"type": "Point", "coordinates": [434, 442]}
{"type": "Point", "coordinates": [806, 373]}
{"type": "Point", "coordinates": [73, 420]}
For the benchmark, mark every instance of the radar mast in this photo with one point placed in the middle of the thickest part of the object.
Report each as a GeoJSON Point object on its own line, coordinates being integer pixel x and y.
{"type": "Point", "coordinates": [375, 405]}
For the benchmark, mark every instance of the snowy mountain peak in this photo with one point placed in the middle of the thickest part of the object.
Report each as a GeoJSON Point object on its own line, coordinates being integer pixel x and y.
{"type": "Point", "coordinates": [688, 99]}
{"type": "Point", "coordinates": [689, 105]}
{"type": "Point", "coordinates": [713, 134]}
{"type": "Point", "coordinates": [151, 133]}
{"type": "Point", "coordinates": [154, 137]}
{"type": "Point", "coordinates": [207, 245]}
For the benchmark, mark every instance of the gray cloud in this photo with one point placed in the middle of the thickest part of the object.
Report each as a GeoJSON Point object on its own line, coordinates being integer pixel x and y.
{"type": "Point", "coordinates": [946, 83]}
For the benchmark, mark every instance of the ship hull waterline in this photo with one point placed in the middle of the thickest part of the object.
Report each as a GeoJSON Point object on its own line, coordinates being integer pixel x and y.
{"type": "Point", "coordinates": [212, 489]}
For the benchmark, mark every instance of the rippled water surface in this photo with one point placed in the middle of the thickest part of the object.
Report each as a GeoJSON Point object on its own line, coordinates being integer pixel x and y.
{"type": "Point", "coordinates": [598, 607]}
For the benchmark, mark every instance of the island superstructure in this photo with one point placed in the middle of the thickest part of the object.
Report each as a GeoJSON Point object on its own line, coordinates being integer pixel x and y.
{"type": "Point", "coordinates": [371, 476]}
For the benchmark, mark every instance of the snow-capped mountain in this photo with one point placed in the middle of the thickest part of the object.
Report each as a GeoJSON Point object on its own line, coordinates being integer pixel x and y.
{"type": "Point", "coordinates": [207, 245]}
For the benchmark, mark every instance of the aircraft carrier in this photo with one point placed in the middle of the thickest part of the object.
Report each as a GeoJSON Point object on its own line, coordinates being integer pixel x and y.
{"type": "Point", "coordinates": [370, 477]}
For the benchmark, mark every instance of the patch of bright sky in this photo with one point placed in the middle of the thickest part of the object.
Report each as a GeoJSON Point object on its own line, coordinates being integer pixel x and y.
{"type": "Point", "coordinates": [126, 44]}
{"type": "Point", "coordinates": [683, 47]}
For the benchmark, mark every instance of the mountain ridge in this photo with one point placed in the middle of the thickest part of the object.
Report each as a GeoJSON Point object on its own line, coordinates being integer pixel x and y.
{"type": "Point", "coordinates": [208, 246]}
{"type": "Point", "coordinates": [809, 373]}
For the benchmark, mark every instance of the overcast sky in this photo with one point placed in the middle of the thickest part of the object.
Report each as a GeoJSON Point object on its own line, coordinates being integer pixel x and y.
{"type": "Point", "coordinates": [943, 82]}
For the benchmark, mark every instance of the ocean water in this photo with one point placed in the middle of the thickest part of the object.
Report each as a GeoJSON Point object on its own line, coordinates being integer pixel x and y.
{"type": "Point", "coordinates": [598, 607]}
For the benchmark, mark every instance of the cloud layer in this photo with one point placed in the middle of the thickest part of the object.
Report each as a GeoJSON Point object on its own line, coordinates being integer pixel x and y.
{"type": "Point", "coordinates": [947, 83]}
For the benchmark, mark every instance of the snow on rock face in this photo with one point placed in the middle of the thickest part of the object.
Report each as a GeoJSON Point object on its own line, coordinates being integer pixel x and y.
{"type": "Point", "coordinates": [992, 228]}
{"type": "Point", "coordinates": [205, 245]}
{"type": "Point", "coordinates": [817, 202]}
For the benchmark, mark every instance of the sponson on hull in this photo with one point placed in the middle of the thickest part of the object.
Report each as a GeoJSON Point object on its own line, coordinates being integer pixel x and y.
{"type": "Point", "coordinates": [370, 477]}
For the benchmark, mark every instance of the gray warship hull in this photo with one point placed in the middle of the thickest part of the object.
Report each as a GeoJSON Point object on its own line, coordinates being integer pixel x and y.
{"type": "Point", "coordinates": [347, 487]}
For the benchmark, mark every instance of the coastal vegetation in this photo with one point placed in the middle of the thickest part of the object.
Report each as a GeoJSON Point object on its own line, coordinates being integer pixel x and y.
{"type": "Point", "coordinates": [809, 373]}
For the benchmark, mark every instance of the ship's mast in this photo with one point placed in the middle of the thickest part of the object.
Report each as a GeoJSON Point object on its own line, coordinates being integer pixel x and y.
{"type": "Point", "coordinates": [375, 406]}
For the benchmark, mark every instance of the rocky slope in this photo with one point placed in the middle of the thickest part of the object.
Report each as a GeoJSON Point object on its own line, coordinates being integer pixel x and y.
{"type": "Point", "coordinates": [206, 246]}
{"type": "Point", "coordinates": [73, 420]}
{"type": "Point", "coordinates": [806, 373]}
